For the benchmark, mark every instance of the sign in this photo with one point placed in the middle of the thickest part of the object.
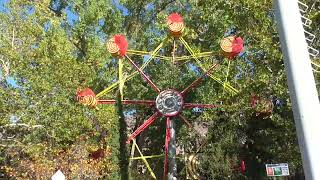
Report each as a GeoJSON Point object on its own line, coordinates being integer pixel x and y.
{"type": "Point", "coordinates": [277, 169]}
{"type": "Point", "coordinates": [58, 176]}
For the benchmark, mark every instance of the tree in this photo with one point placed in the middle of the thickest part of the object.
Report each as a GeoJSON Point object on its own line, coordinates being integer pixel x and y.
{"type": "Point", "coordinates": [50, 58]}
{"type": "Point", "coordinates": [55, 47]}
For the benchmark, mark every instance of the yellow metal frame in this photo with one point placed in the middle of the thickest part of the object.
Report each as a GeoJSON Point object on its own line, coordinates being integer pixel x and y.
{"type": "Point", "coordinates": [154, 54]}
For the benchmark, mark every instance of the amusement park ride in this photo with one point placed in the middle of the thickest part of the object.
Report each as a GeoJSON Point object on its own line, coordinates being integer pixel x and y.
{"type": "Point", "coordinates": [168, 103]}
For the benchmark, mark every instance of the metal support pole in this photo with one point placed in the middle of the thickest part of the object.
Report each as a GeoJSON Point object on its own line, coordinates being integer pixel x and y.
{"type": "Point", "coordinates": [172, 173]}
{"type": "Point", "coordinates": [301, 82]}
{"type": "Point", "coordinates": [172, 165]}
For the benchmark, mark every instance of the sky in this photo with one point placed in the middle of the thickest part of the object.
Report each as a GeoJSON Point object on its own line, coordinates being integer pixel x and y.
{"type": "Point", "coordinates": [2, 3]}
{"type": "Point", "coordinates": [122, 8]}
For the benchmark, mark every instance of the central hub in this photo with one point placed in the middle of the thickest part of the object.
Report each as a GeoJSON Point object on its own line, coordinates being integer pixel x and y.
{"type": "Point", "coordinates": [169, 102]}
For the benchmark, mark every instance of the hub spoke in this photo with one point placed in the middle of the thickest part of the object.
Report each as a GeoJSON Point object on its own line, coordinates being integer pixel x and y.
{"type": "Point", "coordinates": [107, 101]}
{"type": "Point", "coordinates": [195, 105]}
{"type": "Point", "coordinates": [142, 102]}
{"type": "Point", "coordinates": [153, 86]}
{"type": "Point", "coordinates": [198, 80]}
{"type": "Point", "coordinates": [142, 127]}
{"type": "Point", "coordinates": [185, 121]}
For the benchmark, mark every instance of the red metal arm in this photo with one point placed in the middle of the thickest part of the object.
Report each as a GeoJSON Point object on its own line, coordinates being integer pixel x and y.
{"type": "Point", "coordinates": [185, 121]}
{"type": "Point", "coordinates": [107, 101]}
{"type": "Point", "coordinates": [198, 80]}
{"type": "Point", "coordinates": [166, 147]}
{"type": "Point", "coordinates": [142, 102]}
{"type": "Point", "coordinates": [195, 105]}
{"type": "Point", "coordinates": [143, 127]}
{"type": "Point", "coordinates": [154, 87]}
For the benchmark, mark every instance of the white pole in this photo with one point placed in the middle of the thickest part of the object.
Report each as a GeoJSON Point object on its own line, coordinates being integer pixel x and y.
{"type": "Point", "coordinates": [301, 82]}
